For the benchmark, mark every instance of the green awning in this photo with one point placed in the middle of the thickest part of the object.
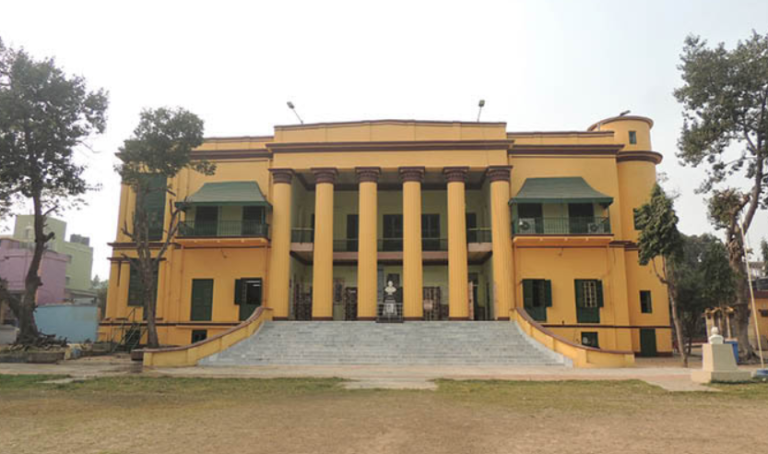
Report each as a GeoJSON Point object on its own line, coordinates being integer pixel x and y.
{"type": "Point", "coordinates": [559, 190]}
{"type": "Point", "coordinates": [243, 193]}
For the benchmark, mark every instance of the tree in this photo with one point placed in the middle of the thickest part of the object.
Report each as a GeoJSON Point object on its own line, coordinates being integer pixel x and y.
{"type": "Point", "coordinates": [660, 239]}
{"type": "Point", "coordinates": [44, 116]}
{"type": "Point", "coordinates": [703, 279]}
{"type": "Point", "coordinates": [100, 287]}
{"type": "Point", "coordinates": [764, 250]}
{"type": "Point", "coordinates": [159, 149]}
{"type": "Point", "coordinates": [725, 109]}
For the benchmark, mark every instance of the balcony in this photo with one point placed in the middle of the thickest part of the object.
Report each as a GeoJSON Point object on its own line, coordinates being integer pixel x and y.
{"type": "Point", "coordinates": [223, 229]}
{"type": "Point", "coordinates": [479, 235]}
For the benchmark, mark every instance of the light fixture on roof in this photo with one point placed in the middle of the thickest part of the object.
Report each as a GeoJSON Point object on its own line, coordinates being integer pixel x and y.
{"type": "Point", "coordinates": [293, 108]}
{"type": "Point", "coordinates": [480, 105]}
{"type": "Point", "coordinates": [624, 113]}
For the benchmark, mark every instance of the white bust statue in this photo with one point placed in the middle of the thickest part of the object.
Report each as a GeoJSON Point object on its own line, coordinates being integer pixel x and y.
{"type": "Point", "coordinates": [715, 338]}
{"type": "Point", "coordinates": [390, 289]}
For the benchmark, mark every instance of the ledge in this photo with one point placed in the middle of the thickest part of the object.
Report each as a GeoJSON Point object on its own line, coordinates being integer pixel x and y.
{"type": "Point", "coordinates": [581, 355]}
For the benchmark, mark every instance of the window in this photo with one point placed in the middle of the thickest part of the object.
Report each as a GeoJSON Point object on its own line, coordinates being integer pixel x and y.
{"type": "Point", "coordinates": [589, 300]}
{"type": "Point", "coordinates": [589, 339]}
{"type": "Point", "coordinates": [646, 307]}
{"type": "Point", "coordinates": [154, 205]}
{"type": "Point", "coordinates": [393, 232]}
{"type": "Point", "coordinates": [633, 137]}
{"type": "Point", "coordinates": [202, 300]}
{"type": "Point", "coordinates": [430, 232]}
{"type": "Point", "coordinates": [248, 295]}
{"type": "Point", "coordinates": [135, 286]}
{"type": "Point", "coordinates": [471, 228]}
{"type": "Point", "coordinates": [537, 297]}
{"type": "Point", "coordinates": [199, 335]}
{"type": "Point", "coordinates": [352, 232]}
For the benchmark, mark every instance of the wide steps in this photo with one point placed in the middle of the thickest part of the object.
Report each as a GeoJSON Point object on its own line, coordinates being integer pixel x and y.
{"type": "Point", "coordinates": [369, 343]}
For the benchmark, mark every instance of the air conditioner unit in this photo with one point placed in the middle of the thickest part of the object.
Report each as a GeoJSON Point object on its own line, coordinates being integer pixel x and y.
{"type": "Point", "coordinates": [596, 227]}
{"type": "Point", "coordinates": [526, 225]}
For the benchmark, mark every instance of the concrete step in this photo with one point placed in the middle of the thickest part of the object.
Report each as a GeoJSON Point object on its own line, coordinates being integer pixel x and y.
{"type": "Point", "coordinates": [369, 343]}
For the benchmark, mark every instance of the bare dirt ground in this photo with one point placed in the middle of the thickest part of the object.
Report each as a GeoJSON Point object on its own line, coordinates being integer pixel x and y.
{"type": "Point", "coordinates": [181, 415]}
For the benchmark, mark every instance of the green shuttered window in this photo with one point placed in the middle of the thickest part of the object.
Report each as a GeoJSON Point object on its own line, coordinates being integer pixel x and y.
{"type": "Point", "coordinates": [537, 297]}
{"type": "Point", "coordinates": [646, 305]}
{"type": "Point", "coordinates": [202, 300]}
{"type": "Point", "coordinates": [589, 300]}
{"type": "Point", "coordinates": [135, 286]}
{"type": "Point", "coordinates": [154, 204]}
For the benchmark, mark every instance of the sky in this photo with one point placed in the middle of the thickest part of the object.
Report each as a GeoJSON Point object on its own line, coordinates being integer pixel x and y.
{"type": "Point", "coordinates": [540, 65]}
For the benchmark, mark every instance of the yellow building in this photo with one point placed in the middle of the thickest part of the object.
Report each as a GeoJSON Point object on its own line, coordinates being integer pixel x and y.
{"type": "Point", "coordinates": [467, 220]}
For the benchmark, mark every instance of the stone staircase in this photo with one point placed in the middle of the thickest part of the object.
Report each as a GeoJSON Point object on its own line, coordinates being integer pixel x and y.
{"type": "Point", "coordinates": [499, 344]}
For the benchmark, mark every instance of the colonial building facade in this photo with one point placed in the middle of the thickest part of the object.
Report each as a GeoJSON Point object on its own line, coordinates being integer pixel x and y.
{"type": "Point", "coordinates": [467, 220]}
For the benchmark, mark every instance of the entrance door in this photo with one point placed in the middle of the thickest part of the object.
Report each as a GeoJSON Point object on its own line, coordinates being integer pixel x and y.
{"type": "Point", "coordinates": [248, 295]}
{"type": "Point", "coordinates": [350, 303]}
{"type": "Point", "coordinates": [476, 307]}
{"type": "Point", "coordinates": [647, 342]}
{"type": "Point", "coordinates": [433, 310]}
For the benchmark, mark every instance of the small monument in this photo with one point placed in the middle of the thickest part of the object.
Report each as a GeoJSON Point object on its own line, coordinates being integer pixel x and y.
{"type": "Point", "coordinates": [389, 308]}
{"type": "Point", "coordinates": [718, 362]}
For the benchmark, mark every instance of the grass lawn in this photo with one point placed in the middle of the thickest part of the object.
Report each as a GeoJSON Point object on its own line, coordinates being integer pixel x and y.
{"type": "Point", "coordinates": [133, 414]}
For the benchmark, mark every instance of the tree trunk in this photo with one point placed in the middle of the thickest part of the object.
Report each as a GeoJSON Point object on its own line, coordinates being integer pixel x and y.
{"type": "Point", "coordinates": [25, 313]}
{"type": "Point", "coordinates": [741, 309]}
{"type": "Point", "coordinates": [676, 319]}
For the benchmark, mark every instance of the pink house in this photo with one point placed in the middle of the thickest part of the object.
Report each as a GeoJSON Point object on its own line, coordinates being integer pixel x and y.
{"type": "Point", "coordinates": [14, 263]}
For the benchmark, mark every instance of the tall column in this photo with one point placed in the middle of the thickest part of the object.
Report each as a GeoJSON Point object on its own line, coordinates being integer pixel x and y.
{"type": "Point", "coordinates": [367, 253]}
{"type": "Point", "coordinates": [413, 296]}
{"type": "Point", "coordinates": [503, 285]}
{"type": "Point", "coordinates": [280, 245]}
{"type": "Point", "coordinates": [322, 264]}
{"type": "Point", "coordinates": [458, 272]}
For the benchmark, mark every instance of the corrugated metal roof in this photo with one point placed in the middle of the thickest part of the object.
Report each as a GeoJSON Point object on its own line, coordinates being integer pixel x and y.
{"type": "Point", "coordinates": [559, 190]}
{"type": "Point", "coordinates": [229, 193]}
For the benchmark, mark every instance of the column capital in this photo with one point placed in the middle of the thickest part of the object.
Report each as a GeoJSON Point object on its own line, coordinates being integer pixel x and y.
{"type": "Point", "coordinates": [498, 173]}
{"type": "Point", "coordinates": [412, 174]}
{"type": "Point", "coordinates": [455, 174]}
{"type": "Point", "coordinates": [368, 174]}
{"type": "Point", "coordinates": [325, 174]}
{"type": "Point", "coordinates": [282, 175]}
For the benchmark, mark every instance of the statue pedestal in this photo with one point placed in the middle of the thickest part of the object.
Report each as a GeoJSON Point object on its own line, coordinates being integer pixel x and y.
{"type": "Point", "coordinates": [718, 364]}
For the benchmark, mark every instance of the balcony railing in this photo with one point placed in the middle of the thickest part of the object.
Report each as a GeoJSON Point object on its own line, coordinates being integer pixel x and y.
{"type": "Point", "coordinates": [593, 225]}
{"type": "Point", "coordinates": [479, 235]}
{"type": "Point", "coordinates": [345, 245]}
{"type": "Point", "coordinates": [218, 229]}
{"type": "Point", "coordinates": [303, 235]}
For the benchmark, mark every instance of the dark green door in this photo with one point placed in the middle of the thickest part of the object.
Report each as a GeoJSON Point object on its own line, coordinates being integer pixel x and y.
{"type": "Point", "coordinates": [580, 215]}
{"type": "Point", "coordinates": [202, 300]}
{"type": "Point", "coordinates": [647, 342]}
{"type": "Point", "coordinates": [430, 232]}
{"type": "Point", "coordinates": [589, 300]}
{"type": "Point", "coordinates": [206, 221]}
{"type": "Point", "coordinates": [352, 232]}
{"type": "Point", "coordinates": [248, 295]}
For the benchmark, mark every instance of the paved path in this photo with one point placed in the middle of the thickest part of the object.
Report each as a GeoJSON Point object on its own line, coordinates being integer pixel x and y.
{"type": "Point", "coordinates": [663, 373]}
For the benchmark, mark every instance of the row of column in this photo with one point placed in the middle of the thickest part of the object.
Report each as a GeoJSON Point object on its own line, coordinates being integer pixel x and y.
{"type": "Point", "coordinates": [367, 284]}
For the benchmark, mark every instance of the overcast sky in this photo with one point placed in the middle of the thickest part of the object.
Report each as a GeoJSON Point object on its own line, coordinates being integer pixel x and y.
{"type": "Point", "coordinates": [540, 65]}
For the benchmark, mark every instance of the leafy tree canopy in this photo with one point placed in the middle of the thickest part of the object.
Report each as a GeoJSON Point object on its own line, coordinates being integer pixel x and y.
{"type": "Point", "coordinates": [44, 115]}
{"type": "Point", "coordinates": [657, 222]}
{"type": "Point", "coordinates": [161, 145]}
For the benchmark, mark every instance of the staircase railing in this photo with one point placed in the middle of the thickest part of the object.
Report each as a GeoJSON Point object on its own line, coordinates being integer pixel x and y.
{"type": "Point", "coordinates": [189, 355]}
{"type": "Point", "coordinates": [581, 355]}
